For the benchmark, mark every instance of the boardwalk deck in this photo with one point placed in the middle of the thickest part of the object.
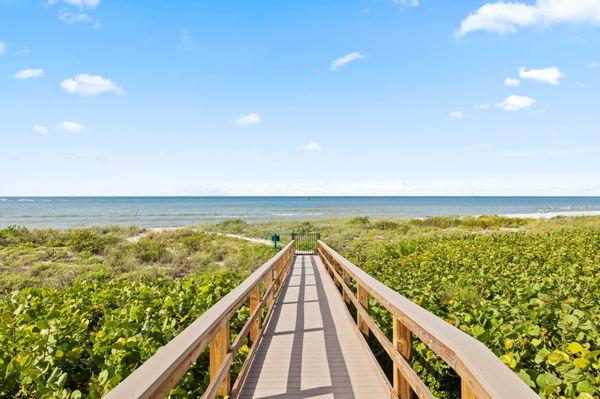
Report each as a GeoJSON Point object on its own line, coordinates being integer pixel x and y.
{"type": "Point", "coordinates": [311, 348]}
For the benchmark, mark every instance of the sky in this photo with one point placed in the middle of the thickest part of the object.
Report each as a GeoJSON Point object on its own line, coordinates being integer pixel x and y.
{"type": "Point", "coordinates": [346, 97]}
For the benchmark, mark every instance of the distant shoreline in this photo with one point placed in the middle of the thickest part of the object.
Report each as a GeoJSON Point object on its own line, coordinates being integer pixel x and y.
{"type": "Point", "coordinates": [550, 215]}
{"type": "Point", "coordinates": [193, 211]}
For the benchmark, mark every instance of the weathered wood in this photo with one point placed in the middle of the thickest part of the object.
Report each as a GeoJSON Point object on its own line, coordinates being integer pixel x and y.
{"type": "Point", "coordinates": [472, 360]}
{"type": "Point", "coordinates": [218, 351]}
{"type": "Point", "coordinates": [346, 277]}
{"type": "Point", "coordinates": [270, 281]}
{"type": "Point", "coordinates": [311, 346]}
{"type": "Point", "coordinates": [402, 340]}
{"type": "Point", "coordinates": [254, 306]}
{"type": "Point", "coordinates": [363, 300]}
{"type": "Point", "coordinates": [159, 374]}
{"type": "Point", "coordinates": [401, 364]}
{"type": "Point", "coordinates": [466, 390]}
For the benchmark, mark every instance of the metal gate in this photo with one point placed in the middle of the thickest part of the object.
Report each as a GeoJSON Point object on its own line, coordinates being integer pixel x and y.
{"type": "Point", "coordinates": [306, 243]}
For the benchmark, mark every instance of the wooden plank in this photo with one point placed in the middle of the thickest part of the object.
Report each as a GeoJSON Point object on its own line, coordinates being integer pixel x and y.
{"type": "Point", "coordinates": [401, 364]}
{"type": "Point", "coordinates": [363, 300]}
{"type": "Point", "coordinates": [254, 305]}
{"type": "Point", "coordinates": [466, 390]}
{"type": "Point", "coordinates": [312, 348]}
{"type": "Point", "coordinates": [346, 277]}
{"type": "Point", "coordinates": [218, 351]}
{"type": "Point", "coordinates": [159, 374]}
{"type": "Point", "coordinates": [472, 360]}
{"type": "Point", "coordinates": [402, 340]}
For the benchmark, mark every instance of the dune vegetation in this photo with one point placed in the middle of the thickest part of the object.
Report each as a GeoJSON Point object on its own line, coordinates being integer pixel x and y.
{"type": "Point", "coordinates": [83, 308]}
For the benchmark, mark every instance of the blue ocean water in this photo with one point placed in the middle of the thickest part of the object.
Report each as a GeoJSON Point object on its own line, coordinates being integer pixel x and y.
{"type": "Point", "coordinates": [62, 212]}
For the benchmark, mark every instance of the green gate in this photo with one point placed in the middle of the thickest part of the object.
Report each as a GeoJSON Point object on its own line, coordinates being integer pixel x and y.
{"type": "Point", "coordinates": [306, 243]}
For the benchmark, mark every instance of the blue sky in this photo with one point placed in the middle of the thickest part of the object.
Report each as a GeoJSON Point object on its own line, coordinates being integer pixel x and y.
{"type": "Point", "coordinates": [352, 97]}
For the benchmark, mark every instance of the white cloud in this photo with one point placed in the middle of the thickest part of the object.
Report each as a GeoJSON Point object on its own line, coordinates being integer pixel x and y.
{"type": "Point", "coordinates": [587, 150]}
{"type": "Point", "coordinates": [482, 107]}
{"type": "Point", "coordinates": [40, 129]}
{"type": "Point", "coordinates": [551, 75]}
{"type": "Point", "coordinates": [340, 62]}
{"type": "Point", "coordinates": [411, 3]}
{"type": "Point", "coordinates": [506, 17]}
{"type": "Point", "coordinates": [594, 64]}
{"type": "Point", "coordinates": [250, 119]}
{"type": "Point", "coordinates": [74, 18]}
{"type": "Point", "coordinates": [28, 74]}
{"type": "Point", "coordinates": [70, 127]}
{"type": "Point", "coordinates": [2, 48]}
{"type": "Point", "coordinates": [512, 82]}
{"type": "Point", "coordinates": [456, 114]}
{"type": "Point", "coordinates": [78, 3]}
{"type": "Point", "coordinates": [312, 147]}
{"type": "Point", "coordinates": [515, 103]}
{"type": "Point", "coordinates": [90, 85]}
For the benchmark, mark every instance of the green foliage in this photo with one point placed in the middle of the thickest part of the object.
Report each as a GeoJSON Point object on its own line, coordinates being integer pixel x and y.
{"type": "Point", "coordinates": [83, 340]}
{"type": "Point", "coordinates": [360, 220]}
{"type": "Point", "coordinates": [235, 226]}
{"type": "Point", "coordinates": [98, 305]}
{"type": "Point", "coordinates": [148, 250]}
{"type": "Point", "coordinates": [532, 298]}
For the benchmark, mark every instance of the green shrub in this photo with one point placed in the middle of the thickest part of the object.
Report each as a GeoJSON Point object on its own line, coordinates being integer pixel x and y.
{"type": "Point", "coordinates": [360, 220]}
{"type": "Point", "coordinates": [148, 250]}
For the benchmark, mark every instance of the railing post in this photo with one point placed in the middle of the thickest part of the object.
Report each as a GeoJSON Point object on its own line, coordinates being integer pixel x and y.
{"type": "Point", "coordinates": [363, 299]}
{"type": "Point", "coordinates": [254, 303]}
{"type": "Point", "coordinates": [218, 350]}
{"type": "Point", "coordinates": [346, 278]}
{"type": "Point", "coordinates": [402, 341]}
{"type": "Point", "coordinates": [466, 392]}
{"type": "Point", "coordinates": [270, 281]}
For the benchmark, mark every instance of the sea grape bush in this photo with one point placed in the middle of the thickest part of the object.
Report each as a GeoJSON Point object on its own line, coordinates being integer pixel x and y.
{"type": "Point", "coordinates": [83, 340]}
{"type": "Point", "coordinates": [532, 298]}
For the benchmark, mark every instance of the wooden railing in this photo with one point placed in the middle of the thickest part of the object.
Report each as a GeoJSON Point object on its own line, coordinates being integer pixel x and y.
{"type": "Point", "coordinates": [159, 374]}
{"type": "Point", "coordinates": [482, 374]}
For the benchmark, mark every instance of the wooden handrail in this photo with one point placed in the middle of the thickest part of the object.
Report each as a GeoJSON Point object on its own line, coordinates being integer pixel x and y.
{"type": "Point", "coordinates": [159, 374]}
{"type": "Point", "coordinates": [483, 375]}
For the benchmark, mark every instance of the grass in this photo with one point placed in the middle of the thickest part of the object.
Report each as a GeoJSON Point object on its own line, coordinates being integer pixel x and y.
{"type": "Point", "coordinates": [58, 259]}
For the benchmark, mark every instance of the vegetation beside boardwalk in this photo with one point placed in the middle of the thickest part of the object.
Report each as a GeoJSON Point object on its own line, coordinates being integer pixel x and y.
{"type": "Point", "coordinates": [83, 308]}
{"type": "Point", "coordinates": [528, 289]}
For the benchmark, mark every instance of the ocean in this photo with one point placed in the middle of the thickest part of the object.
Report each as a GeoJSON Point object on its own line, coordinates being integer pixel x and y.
{"type": "Point", "coordinates": [64, 212]}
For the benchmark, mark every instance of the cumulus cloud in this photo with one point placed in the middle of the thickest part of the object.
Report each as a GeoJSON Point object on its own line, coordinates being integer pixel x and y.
{"type": "Point", "coordinates": [249, 119]}
{"type": "Point", "coordinates": [505, 17]}
{"type": "Point", "coordinates": [312, 147]}
{"type": "Point", "coordinates": [551, 75]}
{"type": "Point", "coordinates": [78, 3]}
{"type": "Point", "coordinates": [512, 82]}
{"type": "Point", "coordinates": [40, 129]}
{"type": "Point", "coordinates": [2, 48]}
{"type": "Point", "coordinates": [482, 107]}
{"type": "Point", "coordinates": [28, 74]}
{"type": "Point", "coordinates": [515, 103]}
{"type": "Point", "coordinates": [90, 85]}
{"type": "Point", "coordinates": [70, 127]}
{"type": "Point", "coordinates": [340, 62]}
{"type": "Point", "coordinates": [456, 114]}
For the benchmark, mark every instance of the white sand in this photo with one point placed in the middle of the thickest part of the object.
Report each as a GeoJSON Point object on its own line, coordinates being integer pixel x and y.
{"type": "Point", "coordinates": [550, 215]}
{"type": "Point", "coordinates": [136, 238]}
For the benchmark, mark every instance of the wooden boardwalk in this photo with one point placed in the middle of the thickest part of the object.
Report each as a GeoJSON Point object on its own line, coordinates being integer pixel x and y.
{"type": "Point", "coordinates": [311, 347]}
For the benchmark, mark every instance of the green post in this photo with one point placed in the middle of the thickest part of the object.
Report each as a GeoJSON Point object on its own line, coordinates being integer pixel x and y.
{"type": "Point", "coordinates": [275, 239]}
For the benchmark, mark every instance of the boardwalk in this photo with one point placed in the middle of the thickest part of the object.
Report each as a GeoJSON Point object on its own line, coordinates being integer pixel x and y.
{"type": "Point", "coordinates": [311, 348]}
